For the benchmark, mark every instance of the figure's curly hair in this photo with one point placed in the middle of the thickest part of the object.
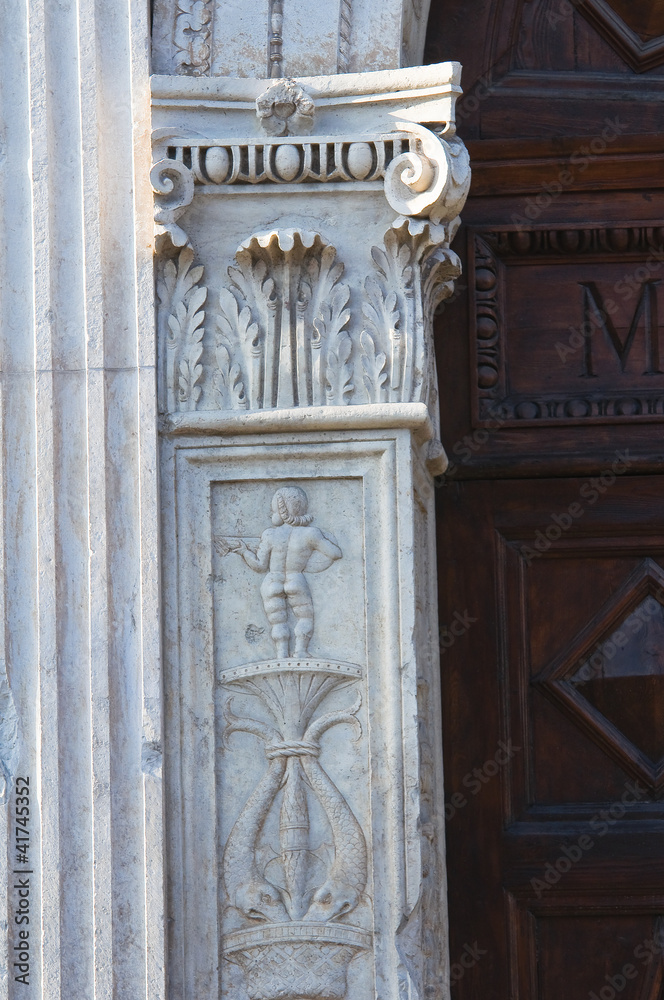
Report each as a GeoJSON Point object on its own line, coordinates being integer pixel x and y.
{"type": "Point", "coordinates": [292, 505]}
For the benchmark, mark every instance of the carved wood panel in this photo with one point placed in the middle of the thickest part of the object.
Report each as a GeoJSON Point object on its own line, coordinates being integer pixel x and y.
{"type": "Point", "coordinates": [570, 65]}
{"type": "Point", "coordinates": [553, 803]}
{"type": "Point", "coordinates": [634, 30]}
{"type": "Point", "coordinates": [550, 589]}
{"type": "Point", "coordinates": [566, 324]}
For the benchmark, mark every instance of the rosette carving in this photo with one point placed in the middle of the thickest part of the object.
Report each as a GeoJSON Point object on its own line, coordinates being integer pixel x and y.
{"type": "Point", "coordinates": [285, 109]}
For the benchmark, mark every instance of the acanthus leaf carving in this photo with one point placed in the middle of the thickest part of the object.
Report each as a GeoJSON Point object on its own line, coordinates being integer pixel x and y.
{"type": "Point", "coordinates": [289, 357]}
{"type": "Point", "coordinates": [282, 333]}
{"type": "Point", "coordinates": [373, 364]}
{"type": "Point", "coordinates": [186, 325]}
{"type": "Point", "coordinates": [235, 326]}
{"type": "Point", "coordinates": [181, 298]}
{"type": "Point", "coordinates": [339, 371]}
{"type": "Point", "coordinates": [228, 382]}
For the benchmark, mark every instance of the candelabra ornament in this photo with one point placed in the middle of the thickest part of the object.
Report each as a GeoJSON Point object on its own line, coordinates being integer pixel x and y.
{"type": "Point", "coordinates": [296, 943]}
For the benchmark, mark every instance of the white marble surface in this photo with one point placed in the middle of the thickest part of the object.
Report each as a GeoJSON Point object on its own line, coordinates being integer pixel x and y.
{"type": "Point", "coordinates": [303, 270]}
{"type": "Point", "coordinates": [343, 860]}
{"type": "Point", "coordinates": [372, 103]}
{"type": "Point", "coordinates": [80, 645]}
{"type": "Point", "coordinates": [273, 38]}
{"type": "Point", "coordinates": [304, 228]}
{"type": "Point", "coordinates": [81, 682]}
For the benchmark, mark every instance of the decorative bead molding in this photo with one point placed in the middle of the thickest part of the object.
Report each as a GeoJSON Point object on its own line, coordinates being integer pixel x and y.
{"type": "Point", "coordinates": [353, 158]}
{"type": "Point", "coordinates": [275, 39]}
{"type": "Point", "coordinates": [572, 242]}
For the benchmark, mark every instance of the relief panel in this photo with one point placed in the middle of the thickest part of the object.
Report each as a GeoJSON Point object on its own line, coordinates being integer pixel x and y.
{"type": "Point", "coordinates": [566, 325]}
{"type": "Point", "coordinates": [291, 667]}
{"type": "Point", "coordinates": [273, 39]}
{"type": "Point", "coordinates": [304, 810]}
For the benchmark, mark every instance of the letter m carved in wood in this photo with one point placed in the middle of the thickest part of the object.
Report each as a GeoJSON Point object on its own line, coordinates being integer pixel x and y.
{"type": "Point", "coordinates": [596, 316]}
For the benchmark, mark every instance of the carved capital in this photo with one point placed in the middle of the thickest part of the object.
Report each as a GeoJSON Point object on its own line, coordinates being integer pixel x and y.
{"type": "Point", "coordinates": [319, 260]}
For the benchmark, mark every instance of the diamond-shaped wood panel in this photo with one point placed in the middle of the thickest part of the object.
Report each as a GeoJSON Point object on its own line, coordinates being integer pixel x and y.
{"type": "Point", "coordinates": [634, 28]}
{"type": "Point", "coordinates": [610, 678]}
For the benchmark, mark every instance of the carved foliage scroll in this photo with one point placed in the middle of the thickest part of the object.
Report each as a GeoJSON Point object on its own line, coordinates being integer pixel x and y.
{"type": "Point", "coordinates": [181, 298]}
{"type": "Point", "coordinates": [191, 37]}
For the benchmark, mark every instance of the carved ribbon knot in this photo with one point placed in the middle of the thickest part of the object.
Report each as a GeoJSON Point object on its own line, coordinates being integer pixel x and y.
{"type": "Point", "coordinates": [300, 748]}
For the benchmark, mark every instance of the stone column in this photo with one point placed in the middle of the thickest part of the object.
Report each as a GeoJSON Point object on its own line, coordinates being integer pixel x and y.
{"type": "Point", "coordinates": [81, 851]}
{"type": "Point", "coordinates": [304, 228]}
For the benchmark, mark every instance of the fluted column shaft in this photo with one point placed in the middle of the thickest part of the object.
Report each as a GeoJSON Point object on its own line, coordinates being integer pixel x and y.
{"type": "Point", "coordinates": [79, 473]}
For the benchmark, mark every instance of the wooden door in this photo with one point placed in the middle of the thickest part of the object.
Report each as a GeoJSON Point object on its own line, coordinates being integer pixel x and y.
{"type": "Point", "coordinates": [551, 518]}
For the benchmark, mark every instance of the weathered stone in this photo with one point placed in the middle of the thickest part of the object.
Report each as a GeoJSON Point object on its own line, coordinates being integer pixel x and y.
{"type": "Point", "coordinates": [299, 439]}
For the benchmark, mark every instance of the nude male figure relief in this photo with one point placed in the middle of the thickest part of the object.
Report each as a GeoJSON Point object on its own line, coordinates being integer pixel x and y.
{"type": "Point", "coordinates": [286, 551]}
